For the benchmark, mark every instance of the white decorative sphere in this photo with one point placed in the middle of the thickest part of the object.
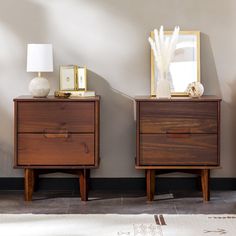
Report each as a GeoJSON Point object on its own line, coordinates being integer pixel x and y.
{"type": "Point", "coordinates": [39, 87]}
{"type": "Point", "coordinates": [195, 89]}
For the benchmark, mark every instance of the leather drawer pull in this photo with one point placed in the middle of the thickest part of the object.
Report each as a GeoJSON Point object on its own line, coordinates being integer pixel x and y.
{"type": "Point", "coordinates": [60, 135]}
{"type": "Point", "coordinates": [178, 135]}
{"type": "Point", "coordinates": [86, 149]}
{"type": "Point", "coordinates": [56, 133]}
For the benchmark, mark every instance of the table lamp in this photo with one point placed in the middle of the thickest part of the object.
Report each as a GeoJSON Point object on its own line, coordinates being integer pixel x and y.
{"type": "Point", "coordinates": [39, 59]}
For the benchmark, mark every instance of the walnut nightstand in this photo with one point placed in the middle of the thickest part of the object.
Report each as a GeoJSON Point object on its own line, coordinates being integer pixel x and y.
{"type": "Point", "coordinates": [53, 134]}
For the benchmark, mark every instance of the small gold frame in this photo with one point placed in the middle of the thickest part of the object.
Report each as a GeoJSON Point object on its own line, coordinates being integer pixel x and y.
{"type": "Point", "coordinates": [68, 78]}
{"type": "Point", "coordinates": [197, 34]}
{"type": "Point", "coordinates": [82, 78]}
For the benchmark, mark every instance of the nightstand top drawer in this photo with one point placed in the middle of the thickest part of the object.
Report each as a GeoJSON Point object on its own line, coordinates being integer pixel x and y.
{"type": "Point", "coordinates": [46, 117]}
{"type": "Point", "coordinates": [178, 117]}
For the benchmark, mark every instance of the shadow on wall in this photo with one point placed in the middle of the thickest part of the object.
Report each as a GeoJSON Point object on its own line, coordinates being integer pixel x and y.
{"type": "Point", "coordinates": [24, 21]}
{"type": "Point", "coordinates": [6, 158]}
{"type": "Point", "coordinates": [209, 76]}
{"type": "Point", "coordinates": [117, 126]}
{"type": "Point", "coordinates": [230, 139]}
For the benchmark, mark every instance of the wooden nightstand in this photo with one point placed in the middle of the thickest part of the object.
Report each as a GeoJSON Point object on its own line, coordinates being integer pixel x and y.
{"type": "Point", "coordinates": [53, 134]}
{"type": "Point", "coordinates": [178, 134]}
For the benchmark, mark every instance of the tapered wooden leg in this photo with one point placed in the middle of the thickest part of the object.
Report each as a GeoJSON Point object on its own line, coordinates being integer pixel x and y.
{"type": "Point", "coordinates": [150, 184]}
{"type": "Point", "coordinates": [205, 184]}
{"type": "Point", "coordinates": [83, 180]}
{"type": "Point", "coordinates": [29, 184]}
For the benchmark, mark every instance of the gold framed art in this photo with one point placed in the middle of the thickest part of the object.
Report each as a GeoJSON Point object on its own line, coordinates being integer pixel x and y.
{"type": "Point", "coordinates": [185, 66]}
{"type": "Point", "coordinates": [68, 78]}
{"type": "Point", "coordinates": [73, 78]}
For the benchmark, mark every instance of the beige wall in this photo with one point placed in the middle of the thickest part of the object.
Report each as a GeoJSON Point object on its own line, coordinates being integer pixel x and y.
{"type": "Point", "coordinates": [110, 37]}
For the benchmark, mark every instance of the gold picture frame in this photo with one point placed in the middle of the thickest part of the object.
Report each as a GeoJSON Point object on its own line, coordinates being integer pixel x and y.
{"type": "Point", "coordinates": [68, 78]}
{"type": "Point", "coordinates": [185, 70]}
{"type": "Point", "coordinates": [82, 78]}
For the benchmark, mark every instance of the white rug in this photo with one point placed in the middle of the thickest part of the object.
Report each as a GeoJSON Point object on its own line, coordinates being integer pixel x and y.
{"type": "Point", "coordinates": [117, 225]}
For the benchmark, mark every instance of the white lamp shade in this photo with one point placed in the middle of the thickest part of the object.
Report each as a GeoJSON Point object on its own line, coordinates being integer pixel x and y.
{"type": "Point", "coordinates": [39, 58]}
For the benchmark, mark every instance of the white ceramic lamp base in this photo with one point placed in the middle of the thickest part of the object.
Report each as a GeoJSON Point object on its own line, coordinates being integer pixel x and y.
{"type": "Point", "coordinates": [39, 87]}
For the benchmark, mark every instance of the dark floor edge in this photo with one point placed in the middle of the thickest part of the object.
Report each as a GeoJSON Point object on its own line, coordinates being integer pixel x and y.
{"type": "Point", "coordinates": [125, 184]}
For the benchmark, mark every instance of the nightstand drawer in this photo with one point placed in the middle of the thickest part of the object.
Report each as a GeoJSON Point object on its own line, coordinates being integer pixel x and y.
{"type": "Point", "coordinates": [56, 149]}
{"type": "Point", "coordinates": [42, 117]}
{"type": "Point", "coordinates": [178, 117]}
{"type": "Point", "coordinates": [178, 149]}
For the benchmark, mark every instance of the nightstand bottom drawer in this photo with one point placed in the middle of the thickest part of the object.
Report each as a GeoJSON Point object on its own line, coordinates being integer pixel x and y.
{"type": "Point", "coordinates": [56, 149]}
{"type": "Point", "coordinates": [178, 149]}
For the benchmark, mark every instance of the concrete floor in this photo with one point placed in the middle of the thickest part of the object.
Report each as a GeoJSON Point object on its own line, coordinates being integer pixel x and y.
{"type": "Point", "coordinates": [63, 202]}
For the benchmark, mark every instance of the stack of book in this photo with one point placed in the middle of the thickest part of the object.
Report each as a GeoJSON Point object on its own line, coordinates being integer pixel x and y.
{"type": "Point", "coordinates": [73, 93]}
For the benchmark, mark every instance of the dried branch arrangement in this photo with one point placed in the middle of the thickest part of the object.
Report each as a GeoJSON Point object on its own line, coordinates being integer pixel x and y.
{"type": "Point", "coordinates": [164, 49]}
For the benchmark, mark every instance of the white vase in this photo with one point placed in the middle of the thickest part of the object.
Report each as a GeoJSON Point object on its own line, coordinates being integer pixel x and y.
{"type": "Point", "coordinates": [163, 89]}
{"type": "Point", "coordinates": [39, 87]}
